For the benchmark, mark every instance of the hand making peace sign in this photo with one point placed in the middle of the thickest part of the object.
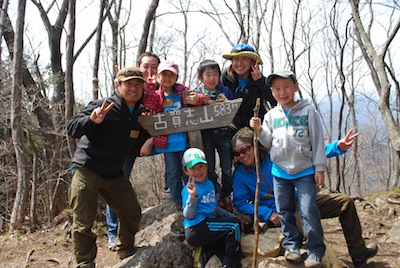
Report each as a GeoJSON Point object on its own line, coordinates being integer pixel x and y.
{"type": "Point", "coordinates": [99, 113]}
{"type": "Point", "coordinates": [255, 71]}
{"type": "Point", "coordinates": [346, 143]}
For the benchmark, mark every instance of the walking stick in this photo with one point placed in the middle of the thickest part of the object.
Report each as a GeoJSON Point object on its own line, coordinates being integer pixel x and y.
{"type": "Point", "coordinates": [256, 198]}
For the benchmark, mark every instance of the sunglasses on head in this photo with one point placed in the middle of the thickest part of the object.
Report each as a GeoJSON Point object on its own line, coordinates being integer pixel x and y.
{"type": "Point", "coordinates": [244, 150]}
{"type": "Point", "coordinates": [132, 73]}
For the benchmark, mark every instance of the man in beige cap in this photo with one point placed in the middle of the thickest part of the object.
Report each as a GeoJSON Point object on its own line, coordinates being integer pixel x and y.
{"type": "Point", "coordinates": [107, 130]}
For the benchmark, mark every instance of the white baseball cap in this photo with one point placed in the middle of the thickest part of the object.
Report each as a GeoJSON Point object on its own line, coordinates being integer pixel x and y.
{"type": "Point", "coordinates": [193, 156]}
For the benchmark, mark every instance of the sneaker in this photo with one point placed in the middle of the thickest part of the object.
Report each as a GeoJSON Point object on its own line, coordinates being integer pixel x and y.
{"type": "Point", "coordinates": [126, 252]}
{"type": "Point", "coordinates": [293, 255]}
{"type": "Point", "coordinates": [360, 260]}
{"type": "Point", "coordinates": [178, 206]}
{"type": "Point", "coordinates": [231, 266]}
{"type": "Point", "coordinates": [89, 264]}
{"type": "Point", "coordinates": [111, 244]}
{"type": "Point", "coordinates": [312, 261]}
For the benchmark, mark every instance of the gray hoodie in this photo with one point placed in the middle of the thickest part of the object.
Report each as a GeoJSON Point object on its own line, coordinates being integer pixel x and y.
{"type": "Point", "coordinates": [296, 140]}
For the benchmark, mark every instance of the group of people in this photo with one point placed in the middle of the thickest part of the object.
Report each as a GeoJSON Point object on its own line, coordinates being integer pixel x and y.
{"type": "Point", "coordinates": [110, 138]}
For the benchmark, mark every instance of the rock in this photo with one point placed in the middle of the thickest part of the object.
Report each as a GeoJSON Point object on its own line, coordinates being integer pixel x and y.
{"type": "Point", "coordinates": [213, 262]}
{"type": "Point", "coordinates": [394, 233]}
{"type": "Point", "coordinates": [157, 213]}
{"type": "Point", "coordinates": [380, 202]}
{"type": "Point", "coordinates": [163, 255]}
{"type": "Point", "coordinates": [269, 243]}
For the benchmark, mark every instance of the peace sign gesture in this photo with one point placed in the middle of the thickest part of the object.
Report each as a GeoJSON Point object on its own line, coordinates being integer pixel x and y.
{"type": "Point", "coordinates": [346, 143]}
{"type": "Point", "coordinates": [99, 113]}
{"type": "Point", "coordinates": [255, 71]}
{"type": "Point", "coordinates": [191, 187]}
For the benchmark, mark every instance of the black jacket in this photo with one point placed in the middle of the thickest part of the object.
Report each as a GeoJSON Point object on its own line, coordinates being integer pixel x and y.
{"type": "Point", "coordinates": [103, 147]}
{"type": "Point", "coordinates": [254, 90]}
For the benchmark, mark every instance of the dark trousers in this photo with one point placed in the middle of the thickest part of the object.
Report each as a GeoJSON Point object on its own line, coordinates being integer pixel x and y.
{"type": "Point", "coordinates": [219, 139]}
{"type": "Point", "coordinates": [212, 231]}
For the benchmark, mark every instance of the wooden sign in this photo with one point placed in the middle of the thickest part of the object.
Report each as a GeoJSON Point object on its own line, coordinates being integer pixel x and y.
{"type": "Point", "coordinates": [191, 118]}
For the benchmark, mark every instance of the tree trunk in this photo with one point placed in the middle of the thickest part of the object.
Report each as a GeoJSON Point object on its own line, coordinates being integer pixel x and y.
{"type": "Point", "coordinates": [35, 153]}
{"type": "Point", "coordinates": [377, 65]}
{"type": "Point", "coordinates": [95, 81]}
{"type": "Point", "coordinates": [150, 15]}
{"type": "Point", "coordinates": [19, 209]}
{"type": "Point", "coordinates": [3, 11]}
{"type": "Point", "coordinates": [69, 81]}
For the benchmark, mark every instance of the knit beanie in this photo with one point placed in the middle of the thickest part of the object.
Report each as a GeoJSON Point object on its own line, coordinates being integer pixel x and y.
{"type": "Point", "coordinates": [243, 135]}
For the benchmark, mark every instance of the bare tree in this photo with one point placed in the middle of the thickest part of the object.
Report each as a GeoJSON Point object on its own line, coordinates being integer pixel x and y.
{"type": "Point", "coordinates": [54, 38]}
{"type": "Point", "coordinates": [95, 81]}
{"type": "Point", "coordinates": [150, 17]}
{"type": "Point", "coordinates": [4, 8]}
{"type": "Point", "coordinates": [379, 71]}
{"type": "Point", "coordinates": [69, 82]}
{"type": "Point", "coordinates": [114, 24]}
{"type": "Point", "coordinates": [18, 213]}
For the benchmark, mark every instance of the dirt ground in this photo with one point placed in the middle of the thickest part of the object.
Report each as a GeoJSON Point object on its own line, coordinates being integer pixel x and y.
{"type": "Point", "coordinates": [52, 247]}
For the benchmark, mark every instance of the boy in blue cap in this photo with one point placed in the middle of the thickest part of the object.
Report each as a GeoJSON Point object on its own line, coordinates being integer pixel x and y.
{"type": "Point", "coordinates": [293, 132]}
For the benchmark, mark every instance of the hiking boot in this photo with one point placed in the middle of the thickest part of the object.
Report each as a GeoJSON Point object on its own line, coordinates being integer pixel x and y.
{"type": "Point", "coordinates": [126, 252]}
{"type": "Point", "coordinates": [293, 255]}
{"type": "Point", "coordinates": [360, 260]}
{"type": "Point", "coordinates": [312, 261]}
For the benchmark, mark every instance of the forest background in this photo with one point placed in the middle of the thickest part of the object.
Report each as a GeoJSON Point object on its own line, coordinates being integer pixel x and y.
{"type": "Point", "coordinates": [56, 55]}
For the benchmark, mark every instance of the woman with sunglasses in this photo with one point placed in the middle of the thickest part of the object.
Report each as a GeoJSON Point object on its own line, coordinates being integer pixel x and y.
{"type": "Point", "coordinates": [245, 79]}
{"type": "Point", "coordinates": [330, 205]}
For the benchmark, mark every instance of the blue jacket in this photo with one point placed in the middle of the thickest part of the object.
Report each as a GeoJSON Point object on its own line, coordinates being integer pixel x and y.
{"type": "Point", "coordinates": [203, 206]}
{"type": "Point", "coordinates": [244, 186]}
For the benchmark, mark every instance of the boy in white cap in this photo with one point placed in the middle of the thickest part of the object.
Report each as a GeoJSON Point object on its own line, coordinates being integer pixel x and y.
{"type": "Point", "coordinates": [205, 222]}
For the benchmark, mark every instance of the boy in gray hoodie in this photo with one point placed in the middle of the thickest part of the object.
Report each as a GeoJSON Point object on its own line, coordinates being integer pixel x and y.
{"type": "Point", "coordinates": [293, 132]}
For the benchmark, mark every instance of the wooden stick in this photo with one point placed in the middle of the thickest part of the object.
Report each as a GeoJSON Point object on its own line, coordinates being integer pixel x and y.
{"type": "Point", "coordinates": [256, 198]}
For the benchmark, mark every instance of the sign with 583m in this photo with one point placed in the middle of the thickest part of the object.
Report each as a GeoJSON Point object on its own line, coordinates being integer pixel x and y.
{"type": "Point", "coordinates": [188, 119]}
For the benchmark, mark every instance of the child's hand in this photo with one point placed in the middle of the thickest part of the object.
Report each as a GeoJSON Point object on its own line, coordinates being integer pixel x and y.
{"type": "Point", "coordinates": [274, 218]}
{"type": "Point", "coordinates": [346, 143]}
{"type": "Point", "coordinates": [191, 187]}
{"type": "Point", "coordinates": [319, 179]}
{"type": "Point", "coordinates": [151, 112]}
{"type": "Point", "coordinates": [192, 98]}
{"type": "Point", "coordinates": [255, 124]}
{"type": "Point", "coordinates": [206, 99]}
